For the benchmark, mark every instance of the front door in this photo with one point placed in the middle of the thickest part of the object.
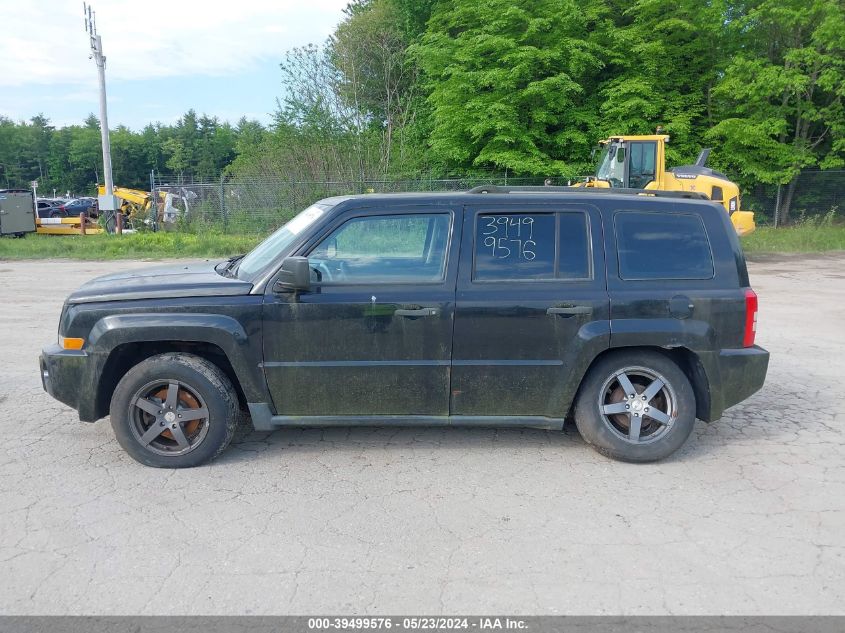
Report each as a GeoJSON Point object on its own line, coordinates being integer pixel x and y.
{"type": "Point", "coordinates": [532, 309]}
{"type": "Point", "coordinates": [373, 336]}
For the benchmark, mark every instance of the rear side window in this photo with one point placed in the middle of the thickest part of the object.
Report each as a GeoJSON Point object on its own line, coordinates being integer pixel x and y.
{"type": "Point", "coordinates": [662, 246]}
{"type": "Point", "coordinates": [530, 246]}
{"type": "Point", "coordinates": [574, 246]}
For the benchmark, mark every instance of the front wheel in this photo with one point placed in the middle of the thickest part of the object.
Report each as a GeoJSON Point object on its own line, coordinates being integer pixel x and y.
{"type": "Point", "coordinates": [635, 406]}
{"type": "Point", "coordinates": [174, 410]}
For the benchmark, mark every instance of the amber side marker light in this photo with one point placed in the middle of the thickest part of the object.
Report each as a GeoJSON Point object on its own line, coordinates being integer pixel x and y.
{"type": "Point", "coordinates": [71, 343]}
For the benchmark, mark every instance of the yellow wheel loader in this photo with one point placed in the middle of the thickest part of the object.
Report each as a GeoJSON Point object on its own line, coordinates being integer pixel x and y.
{"type": "Point", "coordinates": [639, 162]}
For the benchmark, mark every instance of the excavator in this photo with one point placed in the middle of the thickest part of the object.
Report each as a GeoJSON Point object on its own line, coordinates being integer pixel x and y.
{"type": "Point", "coordinates": [639, 162]}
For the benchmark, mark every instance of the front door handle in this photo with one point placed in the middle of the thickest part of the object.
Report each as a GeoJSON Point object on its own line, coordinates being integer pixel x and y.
{"type": "Point", "coordinates": [420, 312]}
{"type": "Point", "coordinates": [570, 311]}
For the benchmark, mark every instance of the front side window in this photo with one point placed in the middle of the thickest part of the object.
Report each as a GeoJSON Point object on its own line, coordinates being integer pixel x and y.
{"type": "Point", "coordinates": [384, 249]}
{"type": "Point", "coordinates": [662, 246]}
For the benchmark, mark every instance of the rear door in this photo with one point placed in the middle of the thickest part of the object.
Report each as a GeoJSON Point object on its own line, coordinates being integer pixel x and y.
{"type": "Point", "coordinates": [532, 308]}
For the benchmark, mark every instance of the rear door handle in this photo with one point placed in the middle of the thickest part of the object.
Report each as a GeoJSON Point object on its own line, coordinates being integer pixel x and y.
{"type": "Point", "coordinates": [420, 312]}
{"type": "Point", "coordinates": [570, 311]}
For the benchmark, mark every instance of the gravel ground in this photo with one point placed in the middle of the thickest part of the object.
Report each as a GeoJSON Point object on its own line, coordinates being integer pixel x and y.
{"type": "Point", "coordinates": [748, 518]}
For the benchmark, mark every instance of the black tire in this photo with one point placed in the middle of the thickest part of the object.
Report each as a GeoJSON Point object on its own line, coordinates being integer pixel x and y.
{"type": "Point", "coordinates": [56, 214]}
{"type": "Point", "coordinates": [607, 417]}
{"type": "Point", "coordinates": [142, 410]}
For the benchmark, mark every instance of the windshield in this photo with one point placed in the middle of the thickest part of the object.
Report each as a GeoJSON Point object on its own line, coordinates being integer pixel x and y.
{"type": "Point", "coordinates": [266, 253]}
{"type": "Point", "coordinates": [611, 168]}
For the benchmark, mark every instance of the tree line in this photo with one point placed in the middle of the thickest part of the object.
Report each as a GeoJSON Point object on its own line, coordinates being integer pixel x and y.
{"type": "Point", "coordinates": [523, 86]}
{"type": "Point", "coordinates": [69, 159]}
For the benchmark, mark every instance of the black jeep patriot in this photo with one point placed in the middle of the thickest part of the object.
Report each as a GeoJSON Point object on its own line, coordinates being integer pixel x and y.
{"type": "Point", "coordinates": [494, 307]}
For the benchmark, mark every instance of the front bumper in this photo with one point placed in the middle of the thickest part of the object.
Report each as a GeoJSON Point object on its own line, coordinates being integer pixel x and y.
{"type": "Point", "coordinates": [65, 376]}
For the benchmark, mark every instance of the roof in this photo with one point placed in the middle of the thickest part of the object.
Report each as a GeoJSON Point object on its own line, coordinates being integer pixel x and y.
{"type": "Point", "coordinates": [505, 193]}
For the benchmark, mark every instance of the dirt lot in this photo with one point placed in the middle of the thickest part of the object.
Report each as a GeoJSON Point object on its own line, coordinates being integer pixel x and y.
{"type": "Point", "coordinates": [748, 518]}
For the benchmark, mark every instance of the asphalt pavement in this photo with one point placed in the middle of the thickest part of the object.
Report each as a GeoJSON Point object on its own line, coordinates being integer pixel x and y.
{"type": "Point", "coordinates": [748, 518]}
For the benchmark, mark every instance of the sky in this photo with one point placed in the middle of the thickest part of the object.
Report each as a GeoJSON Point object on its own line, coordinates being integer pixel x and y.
{"type": "Point", "coordinates": [163, 57]}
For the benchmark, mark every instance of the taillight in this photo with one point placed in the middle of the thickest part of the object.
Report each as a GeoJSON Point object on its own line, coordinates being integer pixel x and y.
{"type": "Point", "coordinates": [750, 317]}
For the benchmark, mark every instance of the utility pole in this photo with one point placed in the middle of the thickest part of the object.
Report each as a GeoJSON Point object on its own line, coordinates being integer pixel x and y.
{"type": "Point", "coordinates": [107, 202]}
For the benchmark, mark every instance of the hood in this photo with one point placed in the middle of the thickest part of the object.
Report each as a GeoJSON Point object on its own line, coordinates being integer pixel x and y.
{"type": "Point", "coordinates": [161, 282]}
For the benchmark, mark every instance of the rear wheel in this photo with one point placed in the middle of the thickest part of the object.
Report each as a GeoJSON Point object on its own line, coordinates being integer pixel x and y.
{"type": "Point", "coordinates": [635, 406]}
{"type": "Point", "coordinates": [174, 411]}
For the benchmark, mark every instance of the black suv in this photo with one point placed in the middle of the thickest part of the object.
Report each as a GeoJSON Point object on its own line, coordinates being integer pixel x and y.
{"type": "Point", "coordinates": [494, 307]}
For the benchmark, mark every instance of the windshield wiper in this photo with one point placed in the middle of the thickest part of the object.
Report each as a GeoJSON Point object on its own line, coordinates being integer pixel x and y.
{"type": "Point", "coordinates": [230, 263]}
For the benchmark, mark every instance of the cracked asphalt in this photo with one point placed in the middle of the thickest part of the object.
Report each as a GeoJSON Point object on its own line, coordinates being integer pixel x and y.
{"type": "Point", "coordinates": [748, 518]}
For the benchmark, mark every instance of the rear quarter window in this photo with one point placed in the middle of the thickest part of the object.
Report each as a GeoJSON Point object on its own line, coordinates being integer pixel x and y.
{"type": "Point", "coordinates": [662, 246]}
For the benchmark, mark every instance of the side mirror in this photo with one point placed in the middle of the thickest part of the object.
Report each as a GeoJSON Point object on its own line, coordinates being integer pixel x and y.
{"type": "Point", "coordinates": [620, 155]}
{"type": "Point", "coordinates": [295, 274]}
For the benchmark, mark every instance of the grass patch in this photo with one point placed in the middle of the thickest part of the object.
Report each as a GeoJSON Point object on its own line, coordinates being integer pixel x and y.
{"type": "Point", "coordinates": [134, 246]}
{"type": "Point", "coordinates": [802, 238]}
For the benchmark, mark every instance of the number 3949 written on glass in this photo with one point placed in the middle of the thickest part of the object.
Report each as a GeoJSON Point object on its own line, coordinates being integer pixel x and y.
{"type": "Point", "coordinates": [509, 236]}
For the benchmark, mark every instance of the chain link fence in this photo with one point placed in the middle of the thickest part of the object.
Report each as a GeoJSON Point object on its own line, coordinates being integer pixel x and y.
{"type": "Point", "coordinates": [261, 205]}
{"type": "Point", "coordinates": [816, 193]}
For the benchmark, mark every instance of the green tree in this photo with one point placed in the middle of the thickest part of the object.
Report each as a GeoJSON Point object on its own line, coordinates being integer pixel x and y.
{"type": "Point", "coordinates": [369, 51]}
{"type": "Point", "coordinates": [504, 82]}
{"type": "Point", "coordinates": [782, 95]}
{"type": "Point", "coordinates": [177, 156]}
{"type": "Point", "coordinates": [662, 61]}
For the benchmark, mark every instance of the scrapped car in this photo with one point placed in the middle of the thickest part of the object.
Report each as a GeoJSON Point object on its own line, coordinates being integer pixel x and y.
{"type": "Point", "coordinates": [76, 206]}
{"type": "Point", "coordinates": [50, 208]}
{"type": "Point", "coordinates": [518, 307]}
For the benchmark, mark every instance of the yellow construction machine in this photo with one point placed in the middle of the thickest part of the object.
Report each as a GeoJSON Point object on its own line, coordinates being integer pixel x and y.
{"type": "Point", "coordinates": [639, 162]}
{"type": "Point", "coordinates": [139, 206]}
{"type": "Point", "coordinates": [134, 203]}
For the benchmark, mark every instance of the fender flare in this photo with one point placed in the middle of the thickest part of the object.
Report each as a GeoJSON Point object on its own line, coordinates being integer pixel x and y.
{"type": "Point", "coordinates": [222, 331]}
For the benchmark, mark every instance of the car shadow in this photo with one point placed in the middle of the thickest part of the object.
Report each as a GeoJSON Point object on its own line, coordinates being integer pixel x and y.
{"type": "Point", "coordinates": [741, 424]}
{"type": "Point", "coordinates": [249, 442]}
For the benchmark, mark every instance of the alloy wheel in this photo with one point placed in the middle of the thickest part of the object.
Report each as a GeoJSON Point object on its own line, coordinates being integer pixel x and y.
{"type": "Point", "coordinates": [168, 417]}
{"type": "Point", "coordinates": [638, 404]}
